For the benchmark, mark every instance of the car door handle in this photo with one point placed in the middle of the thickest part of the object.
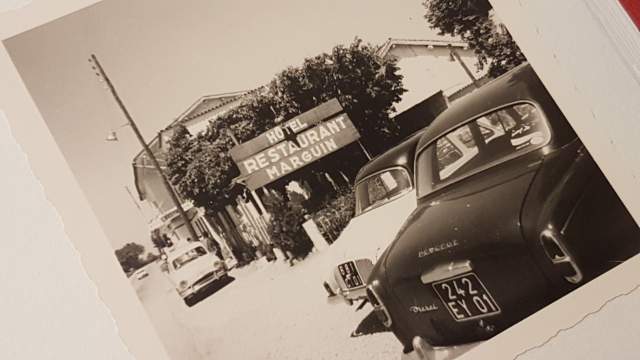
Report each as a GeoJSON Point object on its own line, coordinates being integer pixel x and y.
{"type": "Point", "coordinates": [445, 271]}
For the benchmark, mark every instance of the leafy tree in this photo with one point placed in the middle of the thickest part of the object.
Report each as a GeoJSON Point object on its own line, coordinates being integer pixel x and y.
{"type": "Point", "coordinates": [471, 20]}
{"type": "Point", "coordinates": [158, 240]}
{"type": "Point", "coordinates": [129, 256]}
{"type": "Point", "coordinates": [201, 168]}
{"type": "Point", "coordinates": [180, 156]}
{"type": "Point", "coordinates": [367, 86]}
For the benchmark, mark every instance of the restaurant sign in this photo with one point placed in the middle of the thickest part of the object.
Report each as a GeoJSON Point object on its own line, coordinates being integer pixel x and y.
{"type": "Point", "coordinates": [293, 145]}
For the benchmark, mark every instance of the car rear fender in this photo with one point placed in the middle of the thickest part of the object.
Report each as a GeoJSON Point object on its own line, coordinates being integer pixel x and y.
{"type": "Point", "coordinates": [600, 231]}
{"type": "Point", "coordinates": [552, 200]}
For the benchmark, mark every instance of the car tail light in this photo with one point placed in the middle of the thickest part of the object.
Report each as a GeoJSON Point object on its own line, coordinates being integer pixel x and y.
{"type": "Point", "coordinates": [560, 256]}
{"type": "Point", "coordinates": [378, 307]}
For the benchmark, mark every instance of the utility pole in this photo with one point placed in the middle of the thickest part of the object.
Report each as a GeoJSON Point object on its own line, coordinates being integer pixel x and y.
{"type": "Point", "coordinates": [174, 198]}
{"type": "Point", "coordinates": [456, 57]}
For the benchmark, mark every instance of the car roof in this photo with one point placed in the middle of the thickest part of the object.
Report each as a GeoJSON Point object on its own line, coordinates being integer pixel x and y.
{"type": "Point", "coordinates": [399, 155]}
{"type": "Point", "coordinates": [519, 84]}
{"type": "Point", "coordinates": [181, 249]}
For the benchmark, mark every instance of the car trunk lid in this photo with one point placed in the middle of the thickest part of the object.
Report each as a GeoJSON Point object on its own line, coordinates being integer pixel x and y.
{"type": "Point", "coordinates": [459, 243]}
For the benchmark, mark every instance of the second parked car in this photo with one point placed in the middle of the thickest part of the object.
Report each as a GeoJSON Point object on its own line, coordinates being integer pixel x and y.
{"type": "Point", "coordinates": [385, 196]}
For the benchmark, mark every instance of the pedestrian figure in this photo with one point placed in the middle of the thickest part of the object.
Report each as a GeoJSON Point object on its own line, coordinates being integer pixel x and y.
{"type": "Point", "coordinates": [167, 240]}
{"type": "Point", "coordinates": [212, 245]}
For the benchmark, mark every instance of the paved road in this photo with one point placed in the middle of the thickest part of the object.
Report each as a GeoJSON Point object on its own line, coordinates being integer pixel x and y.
{"type": "Point", "coordinates": [271, 311]}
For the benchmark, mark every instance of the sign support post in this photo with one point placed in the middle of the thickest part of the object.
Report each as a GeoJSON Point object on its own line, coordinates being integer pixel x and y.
{"type": "Point", "coordinates": [255, 196]}
{"type": "Point", "coordinates": [364, 150]}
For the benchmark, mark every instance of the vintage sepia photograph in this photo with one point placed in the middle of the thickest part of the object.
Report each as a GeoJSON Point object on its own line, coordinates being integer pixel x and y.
{"type": "Point", "coordinates": [324, 180]}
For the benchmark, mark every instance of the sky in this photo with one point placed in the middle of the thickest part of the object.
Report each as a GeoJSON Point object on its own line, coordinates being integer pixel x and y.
{"type": "Point", "coordinates": [162, 56]}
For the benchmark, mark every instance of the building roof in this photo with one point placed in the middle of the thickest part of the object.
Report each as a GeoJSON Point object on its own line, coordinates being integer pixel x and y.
{"type": "Point", "coordinates": [200, 107]}
{"type": "Point", "coordinates": [203, 105]}
{"type": "Point", "coordinates": [393, 42]}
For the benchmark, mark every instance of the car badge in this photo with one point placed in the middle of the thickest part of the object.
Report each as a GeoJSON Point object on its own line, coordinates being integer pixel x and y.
{"type": "Point", "coordinates": [438, 248]}
{"type": "Point", "coordinates": [423, 309]}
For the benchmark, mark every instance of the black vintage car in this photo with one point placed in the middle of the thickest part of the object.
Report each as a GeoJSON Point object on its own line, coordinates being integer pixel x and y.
{"type": "Point", "coordinates": [512, 213]}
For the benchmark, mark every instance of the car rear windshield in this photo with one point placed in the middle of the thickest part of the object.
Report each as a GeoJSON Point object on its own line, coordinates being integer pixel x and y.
{"type": "Point", "coordinates": [487, 140]}
{"type": "Point", "coordinates": [188, 257]}
{"type": "Point", "coordinates": [381, 188]}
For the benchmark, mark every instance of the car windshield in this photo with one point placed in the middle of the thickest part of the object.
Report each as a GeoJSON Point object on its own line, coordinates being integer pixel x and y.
{"type": "Point", "coordinates": [188, 257]}
{"type": "Point", "coordinates": [489, 139]}
{"type": "Point", "coordinates": [380, 188]}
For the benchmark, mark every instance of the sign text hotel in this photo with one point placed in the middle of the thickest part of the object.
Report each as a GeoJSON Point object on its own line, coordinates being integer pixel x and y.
{"type": "Point", "coordinates": [298, 142]}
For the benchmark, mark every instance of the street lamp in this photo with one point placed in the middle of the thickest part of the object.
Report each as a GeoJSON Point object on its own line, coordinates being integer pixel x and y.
{"type": "Point", "coordinates": [99, 71]}
{"type": "Point", "coordinates": [113, 135]}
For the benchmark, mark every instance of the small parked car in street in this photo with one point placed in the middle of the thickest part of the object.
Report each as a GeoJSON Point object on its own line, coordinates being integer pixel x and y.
{"type": "Point", "coordinates": [512, 214]}
{"type": "Point", "coordinates": [192, 268]}
{"type": "Point", "coordinates": [385, 196]}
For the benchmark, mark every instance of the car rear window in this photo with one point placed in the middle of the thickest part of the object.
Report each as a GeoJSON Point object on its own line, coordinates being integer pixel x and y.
{"type": "Point", "coordinates": [489, 139]}
{"type": "Point", "coordinates": [380, 188]}
{"type": "Point", "coordinates": [188, 257]}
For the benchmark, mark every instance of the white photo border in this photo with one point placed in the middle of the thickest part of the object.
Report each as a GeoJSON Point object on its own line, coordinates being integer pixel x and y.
{"type": "Point", "coordinates": [567, 55]}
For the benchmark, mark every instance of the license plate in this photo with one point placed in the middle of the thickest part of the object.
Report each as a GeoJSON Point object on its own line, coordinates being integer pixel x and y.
{"type": "Point", "coordinates": [465, 297]}
{"type": "Point", "coordinates": [350, 275]}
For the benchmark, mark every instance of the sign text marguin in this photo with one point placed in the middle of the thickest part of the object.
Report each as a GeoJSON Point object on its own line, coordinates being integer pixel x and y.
{"type": "Point", "coordinates": [292, 146]}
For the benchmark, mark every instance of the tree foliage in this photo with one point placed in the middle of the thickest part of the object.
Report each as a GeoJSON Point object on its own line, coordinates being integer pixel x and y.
{"type": "Point", "coordinates": [366, 86]}
{"type": "Point", "coordinates": [130, 256]}
{"type": "Point", "coordinates": [201, 168]}
{"type": "Point", "coordinates": [285, 228]}
{"type": "Point", "coordinates": [471, 20]}
{"type": "Point", "coordinates": [160, 241]}
{"type": "Point", "coordinates": [334, 217]}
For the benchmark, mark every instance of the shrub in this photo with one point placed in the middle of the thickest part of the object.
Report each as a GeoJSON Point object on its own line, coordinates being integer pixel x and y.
{"type": "Point", "coordinates": [335, 215]}
{"type": "Point", "coordinates": [285, 227]}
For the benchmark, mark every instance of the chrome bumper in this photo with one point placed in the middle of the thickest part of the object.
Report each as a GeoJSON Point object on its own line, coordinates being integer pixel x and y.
{"type": "Point", "coordinates": [353, 294]}
{"type": "Point", "coordinates": [193, 289]}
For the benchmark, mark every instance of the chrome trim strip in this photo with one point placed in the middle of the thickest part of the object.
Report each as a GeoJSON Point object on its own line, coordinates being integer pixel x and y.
{"type": "Point", "coordinates": [360, 211]}
{"type": "Point", "coordinates": [445, 271]}
{"type": "Point", "coordinates": [394, 167]}
{"type": "Point", "coordinates": [380, 306]}
{"type": "Point", "coordinates": [489, 165]}
{"type": "Point", "coordinates": [552, 235]}
{"type": "Point", "coordinates": [205, 278]}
